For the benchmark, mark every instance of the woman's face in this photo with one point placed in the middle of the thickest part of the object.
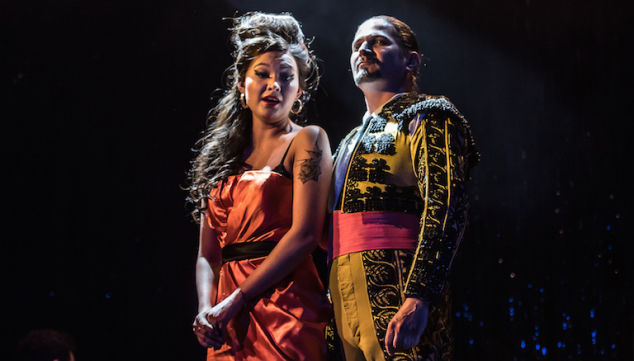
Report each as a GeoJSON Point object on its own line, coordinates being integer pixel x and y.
{"type": "Point", "coordinates": [271, 86]}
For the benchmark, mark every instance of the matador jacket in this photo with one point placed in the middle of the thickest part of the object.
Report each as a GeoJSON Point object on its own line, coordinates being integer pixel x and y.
{"type": "Point", "coordinates": [411, 157]}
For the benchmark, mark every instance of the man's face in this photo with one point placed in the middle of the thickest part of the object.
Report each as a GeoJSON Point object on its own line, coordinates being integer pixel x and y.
{"type": "Point", "coordinates": [377, 61]}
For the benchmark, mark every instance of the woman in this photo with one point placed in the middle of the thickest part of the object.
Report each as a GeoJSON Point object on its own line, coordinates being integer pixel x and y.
{"type": "Point", "coordinates": [261, 182]}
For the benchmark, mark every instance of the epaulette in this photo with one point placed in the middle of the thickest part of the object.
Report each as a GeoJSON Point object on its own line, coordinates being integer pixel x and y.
{"type": "Point", "coordinates": [443, 105]}
{"type": "Point", "coordinates": [425, 103]}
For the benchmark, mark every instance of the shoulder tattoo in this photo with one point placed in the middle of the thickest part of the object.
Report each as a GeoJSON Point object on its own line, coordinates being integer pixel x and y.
{"type": "Point", "coordinates": [309, 167]}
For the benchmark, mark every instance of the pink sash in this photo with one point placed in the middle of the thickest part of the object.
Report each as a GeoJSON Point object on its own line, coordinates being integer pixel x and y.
{"type": "Point", "coordinates": [362, 231]}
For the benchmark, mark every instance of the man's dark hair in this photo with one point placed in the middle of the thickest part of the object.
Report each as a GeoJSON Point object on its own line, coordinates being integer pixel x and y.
{"type": "Point", "coordinates": [407, 41]}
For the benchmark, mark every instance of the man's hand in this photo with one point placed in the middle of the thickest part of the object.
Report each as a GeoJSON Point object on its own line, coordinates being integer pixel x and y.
{"type": "Point", "coordinates": [407, 325]}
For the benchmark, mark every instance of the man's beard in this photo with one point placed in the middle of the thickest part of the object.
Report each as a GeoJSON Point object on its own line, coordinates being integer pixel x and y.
{"type": "Point", "coordinates": [363, 76]}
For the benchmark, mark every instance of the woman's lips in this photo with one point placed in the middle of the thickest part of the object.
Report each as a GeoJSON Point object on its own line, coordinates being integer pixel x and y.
{"type": "Point", "coordinates": [271, 100]}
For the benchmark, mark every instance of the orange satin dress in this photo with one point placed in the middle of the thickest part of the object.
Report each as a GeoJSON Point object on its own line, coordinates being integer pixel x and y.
{"type": "Point", "coordinates": [288, 321]}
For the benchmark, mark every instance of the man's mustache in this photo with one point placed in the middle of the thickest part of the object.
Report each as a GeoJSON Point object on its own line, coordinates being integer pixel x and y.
{"type": "Point", "coordinates": [369, 60]}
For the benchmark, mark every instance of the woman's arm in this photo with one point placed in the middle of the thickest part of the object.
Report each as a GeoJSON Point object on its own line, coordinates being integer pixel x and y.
{"type": "Point", "coordinates": [312, 169]}
{"type": "Point", "coordinates": [208, 262]}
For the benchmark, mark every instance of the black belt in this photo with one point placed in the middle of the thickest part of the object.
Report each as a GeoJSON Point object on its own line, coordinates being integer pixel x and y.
{"type": "Point", "coordinates": [246, 250]}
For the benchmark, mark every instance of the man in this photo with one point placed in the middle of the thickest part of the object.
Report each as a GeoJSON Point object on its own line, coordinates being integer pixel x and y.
{"type": "Point", "coordinates": [399, 204]}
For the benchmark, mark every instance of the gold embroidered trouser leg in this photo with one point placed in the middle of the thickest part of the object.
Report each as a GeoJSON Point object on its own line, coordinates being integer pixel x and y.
{"type": "Point", "coordinates": [352, 309]}
{"type": "Point", "coordinates": [366, 291]}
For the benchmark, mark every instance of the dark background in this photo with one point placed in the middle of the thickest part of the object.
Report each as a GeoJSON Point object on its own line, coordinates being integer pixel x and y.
{"type": "Point", "coordinates": [105, 100]}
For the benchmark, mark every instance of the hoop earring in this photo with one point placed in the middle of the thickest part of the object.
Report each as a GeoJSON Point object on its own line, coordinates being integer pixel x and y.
{"type": "Point", "coordinates": [243, 101]}
{"type": "Point", "coordinates": [299, 107]}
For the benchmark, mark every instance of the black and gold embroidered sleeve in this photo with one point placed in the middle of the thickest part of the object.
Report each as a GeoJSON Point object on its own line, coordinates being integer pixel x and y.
{"type": "Point", "coordinates": [442, 153]}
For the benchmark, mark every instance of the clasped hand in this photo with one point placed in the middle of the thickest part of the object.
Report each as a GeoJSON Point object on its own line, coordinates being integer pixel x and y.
{"type": "Point", "coordinates": [406, 327]}
{"type": "Point", "coordinates": [211, 323]}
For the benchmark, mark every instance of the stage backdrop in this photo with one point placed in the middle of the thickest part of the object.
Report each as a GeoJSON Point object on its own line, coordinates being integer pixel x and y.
{"type": "Point", "coordinates": [106, 99]}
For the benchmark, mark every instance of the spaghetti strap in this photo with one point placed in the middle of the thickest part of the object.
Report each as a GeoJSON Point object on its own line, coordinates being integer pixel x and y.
{"type": "Point", "coordinates": [280, 167]}
{"type": "Point", "coordinates": [287, 148]}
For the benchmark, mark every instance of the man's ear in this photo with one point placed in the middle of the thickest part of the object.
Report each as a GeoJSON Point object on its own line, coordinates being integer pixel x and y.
{"type": "Point", "coordinates": [412, 61]}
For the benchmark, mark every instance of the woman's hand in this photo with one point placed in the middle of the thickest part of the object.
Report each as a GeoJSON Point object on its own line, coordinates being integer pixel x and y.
{"type": "Point", "coordinates": [221, 314]}
{"type": "Point", "coordinates": [208, 335]}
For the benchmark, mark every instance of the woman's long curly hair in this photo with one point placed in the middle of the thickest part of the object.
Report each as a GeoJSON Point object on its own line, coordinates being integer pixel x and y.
{"type": "Point", "coordinates": [220, 149]}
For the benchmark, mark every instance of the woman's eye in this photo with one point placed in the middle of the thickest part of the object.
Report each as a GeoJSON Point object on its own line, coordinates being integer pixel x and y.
{"type": "Point", "coordinates": [261, 74]}
{"type": "Point", "coordinates": [287, 77]}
